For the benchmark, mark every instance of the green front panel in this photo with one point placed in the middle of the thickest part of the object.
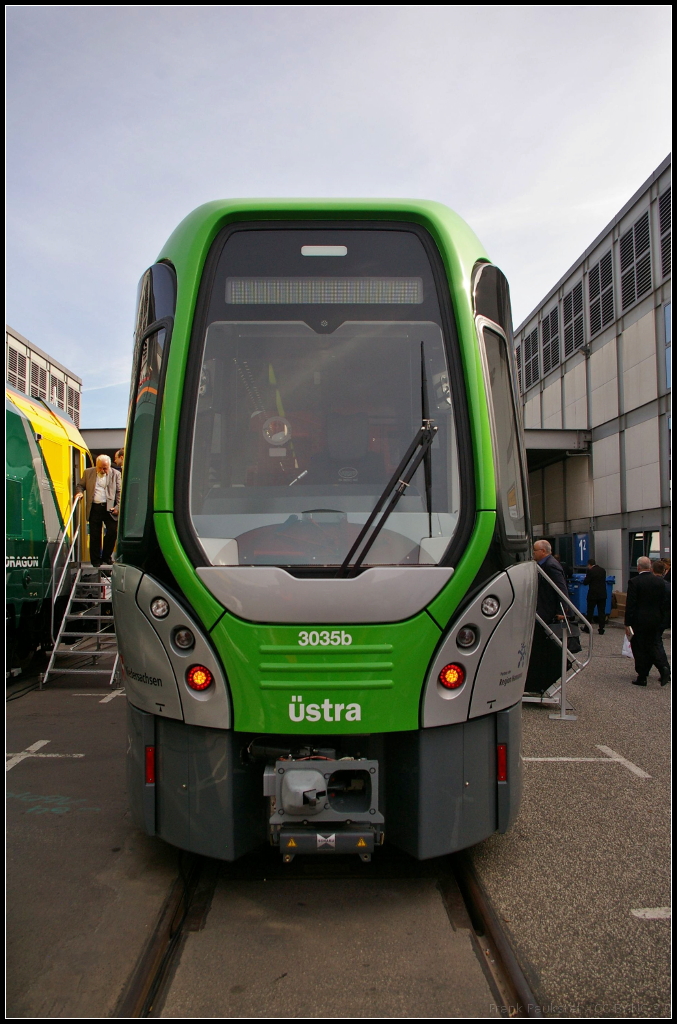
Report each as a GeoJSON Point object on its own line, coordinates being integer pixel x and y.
{"type": "Point", "coordinates": [27, 572]}
{"type": "Point", "coordinates": [377, 677]}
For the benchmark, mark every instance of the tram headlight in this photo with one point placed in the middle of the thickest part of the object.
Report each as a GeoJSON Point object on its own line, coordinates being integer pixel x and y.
{"type": "Point", "coordinates": [199, 677]}
{"type": "Point", "coordinates": [183, 638]}
{"type": "Point", "coordinates": [490, 607]}
{"type": "Point", "coordinates": [466, 637]}
{"type": "Point", "coordinates": [452, 676]}
{"type": "Point", "coordinates": [159, 608]}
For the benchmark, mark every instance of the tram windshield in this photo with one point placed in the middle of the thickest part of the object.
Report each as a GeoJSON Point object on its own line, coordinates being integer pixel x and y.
{"type": "Point", "coordinates": [299, 429]}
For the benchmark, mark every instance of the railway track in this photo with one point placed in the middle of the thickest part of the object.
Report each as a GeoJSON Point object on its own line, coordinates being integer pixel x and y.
{"type": "Point", "coordinates": [188, 902]}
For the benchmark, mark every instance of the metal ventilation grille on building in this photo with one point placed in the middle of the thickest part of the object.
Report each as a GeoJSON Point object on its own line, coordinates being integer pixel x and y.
{"type": "Point", "coordinates": [550, 335]}
{"type": "Point", "coordinates": [664, 211]}
{"type": "Point", "coordinates": [572, 315]}
{"type": "Point", "coordinates": [57, 391]}
{"type": "Point", "coordinates": [73, 409]}
{"type": "Point", "coordinates": [601, 294]}
{"type": "Point", "coordinates": [530, 356]}
{"type": "Point", "coordinates": [38, 381]}
{"type": "Point", "coordinates": [636, 262]}
{"type": "Point", "coordinates": [518, 361]}
{"type": "Point", "coordinates": [16, 369]}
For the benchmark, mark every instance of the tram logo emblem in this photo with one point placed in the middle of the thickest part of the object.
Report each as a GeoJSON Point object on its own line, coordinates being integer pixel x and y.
{"type": "Point", "coordinates": [522, 655]}
{"type": "Point", "coordinates": [347, 473]}
{"type": "Point", "coordinates": [361, 842]}
{"type": "Point", "coordinates": [291, 843]}
{"type": "Point", "coordinates": [326, 841]}
{"type": "Point", "coordinates": [298, 711]}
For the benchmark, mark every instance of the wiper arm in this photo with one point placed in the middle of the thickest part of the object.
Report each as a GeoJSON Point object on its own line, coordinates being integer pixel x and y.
{"type": "Point", "coordinates": [427, 464]}
{"type": "Point", "coordinates": [398, 482]}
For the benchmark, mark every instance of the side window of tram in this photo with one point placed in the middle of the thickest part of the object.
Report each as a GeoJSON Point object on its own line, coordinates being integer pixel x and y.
{"type": "Point", "coordinates": [137, 475]}
{"type": "Point", "coordinates": [507, 455]}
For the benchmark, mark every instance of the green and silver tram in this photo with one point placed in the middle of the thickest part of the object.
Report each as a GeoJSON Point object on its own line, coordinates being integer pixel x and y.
{"type": "Point", "coordinates": [324, 597]}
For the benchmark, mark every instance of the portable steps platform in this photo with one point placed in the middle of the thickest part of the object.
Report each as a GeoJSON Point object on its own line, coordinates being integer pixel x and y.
{"type": "Point", "coordinates": [91, 650]}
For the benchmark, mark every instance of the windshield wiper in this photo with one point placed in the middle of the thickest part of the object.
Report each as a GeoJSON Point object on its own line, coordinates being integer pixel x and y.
{"type": "Point", "coordinates": [399, 481]}
{"type": "Point", "coordinates": [427, 465]}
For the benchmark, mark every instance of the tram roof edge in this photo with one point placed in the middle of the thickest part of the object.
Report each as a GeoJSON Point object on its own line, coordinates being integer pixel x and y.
{"type": "Point", "coordinates": [202, 224]}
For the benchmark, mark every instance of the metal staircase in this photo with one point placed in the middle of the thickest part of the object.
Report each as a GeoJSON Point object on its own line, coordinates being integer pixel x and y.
{"type": "Point", "coordinates": [86, 643]}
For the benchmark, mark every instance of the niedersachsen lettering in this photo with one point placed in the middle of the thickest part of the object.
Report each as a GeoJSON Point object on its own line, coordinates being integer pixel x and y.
{"type": "Point", "coordinates": [141, 677]}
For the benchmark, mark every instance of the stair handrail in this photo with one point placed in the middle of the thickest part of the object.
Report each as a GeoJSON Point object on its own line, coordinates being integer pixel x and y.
{"type": "Point", "coordinates": [579, 615]}
{"type": "Point", "coordinates": [568, 657]}
{"type": "Point", "coordinates": [55, 567]}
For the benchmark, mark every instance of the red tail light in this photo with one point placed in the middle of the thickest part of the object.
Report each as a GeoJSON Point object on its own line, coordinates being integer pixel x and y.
{"type": "Point", "coordinates": [199, 677]}
{"type": "Point", "coordinates": [452, 676]}
{"type": "Point", "coordinates": [502, 762]}
{"type": "Point", "coordinates": [150, 766]}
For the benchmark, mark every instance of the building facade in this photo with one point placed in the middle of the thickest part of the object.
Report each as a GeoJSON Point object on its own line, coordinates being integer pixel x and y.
{"type": "Point", "coordinates": [594, 366]}
{"type": "Point", "coordinates": [33, 372]}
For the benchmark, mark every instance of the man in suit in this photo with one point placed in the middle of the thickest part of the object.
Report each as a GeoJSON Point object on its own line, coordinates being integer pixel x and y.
{"type": "Point", "coordinates": [595, 581]}
{"type": "Point", "coordinates": [545, 664]}
{"type": "Point", "coordinates": [547, 604]}
{"type": "Point", "coordinates": [101, 487]}
{"type": "Point", "coordinates": [647, 614]}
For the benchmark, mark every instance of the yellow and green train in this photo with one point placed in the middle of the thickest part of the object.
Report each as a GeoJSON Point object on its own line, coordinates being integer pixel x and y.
{"type": "Point", "coordinates": [45, 457]}
{"type": "Point", "coordinates": [324, 596]}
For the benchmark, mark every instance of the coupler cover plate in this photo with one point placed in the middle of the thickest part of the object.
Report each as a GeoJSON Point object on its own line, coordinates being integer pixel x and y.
{"type": "Point", "coordinates": [293, 841]}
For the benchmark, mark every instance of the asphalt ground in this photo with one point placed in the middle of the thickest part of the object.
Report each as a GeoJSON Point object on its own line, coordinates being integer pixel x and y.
{"type": "Point", "coordinates": [84, 887]}
{"type": "Point", "coordinates": [591, 844]}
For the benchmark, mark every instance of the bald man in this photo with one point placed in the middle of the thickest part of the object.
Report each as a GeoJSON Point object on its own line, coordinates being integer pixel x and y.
{"type": "Point", "coordinates": [545, 664]}
{"type": "Point", "coordinates": [647, 614]}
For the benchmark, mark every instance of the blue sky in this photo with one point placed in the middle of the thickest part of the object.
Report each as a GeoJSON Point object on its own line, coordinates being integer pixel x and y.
{"type": "Point", "coordinates": [535, 123]}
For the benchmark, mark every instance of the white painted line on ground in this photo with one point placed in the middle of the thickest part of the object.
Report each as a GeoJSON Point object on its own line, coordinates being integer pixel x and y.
{"type": "Point", "coordinates": [87, 694]}
{"type": "Point", "coordinates": [611, 758]}
{"type": "Point", "coordinates": [115, 693]}
{"type": "Point", "coordinates": [653, 913]}
{"type": "Point", "coordinates": [612, 755]}
{"type": "Point", "coordinates": [602, 760]}
{"type": "Point", "coordinates": [28, 752]}
{"type": "Point", "coordinates": [32, 752]}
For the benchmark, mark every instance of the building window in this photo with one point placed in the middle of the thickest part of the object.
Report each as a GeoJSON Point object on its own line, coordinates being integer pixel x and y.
{"type": "Point", "coordinates": [666, 234]}
{"type": "Point", "coordinates": [16, 369]}
{"type": "Point", "coordinates": [636, 262]}
{"type": "Point", "coordinates": [601, 294]}
{"type": "Point", "coordinates": [572, 315]}
{"type": "Point", "coordinates": [530, 358]}
{"type": "Point", "coordinates": [550, 340]}
{"type": "Point", "coordinates": [518, 363]}
{"type": "Point", "coordinates": [73, 409]}
{"type": "Point", "coordinates": [38, 381]}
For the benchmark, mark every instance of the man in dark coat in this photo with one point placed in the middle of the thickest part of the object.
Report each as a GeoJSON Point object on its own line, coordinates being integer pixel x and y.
{"type": "Point", "coordinates": [595, 581]}
{"type": "Point", "coordinates": [647, 614]}
{"type": "Point", "coordinates": [545, 664]}
{"type": "Point", "coordinates": [547, 605]}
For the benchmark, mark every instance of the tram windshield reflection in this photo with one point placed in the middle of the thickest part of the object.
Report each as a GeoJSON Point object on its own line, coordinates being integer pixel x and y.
{"type": "Point", "coordinates": [297, 433]}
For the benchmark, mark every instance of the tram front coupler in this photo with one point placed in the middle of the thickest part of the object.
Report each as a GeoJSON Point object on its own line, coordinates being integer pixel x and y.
{"type": "Point", "coordinates": [322, 805]}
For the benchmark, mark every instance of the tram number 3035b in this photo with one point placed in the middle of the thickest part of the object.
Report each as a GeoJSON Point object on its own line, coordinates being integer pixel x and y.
{"type": "Point", "coordinates": [324, 594]}
{"type": "Point", "coordinates": [325, 638]}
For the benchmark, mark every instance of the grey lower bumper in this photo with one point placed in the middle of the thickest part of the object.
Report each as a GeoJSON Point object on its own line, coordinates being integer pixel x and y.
{"type": "Point", "coordinates": [438, 787]}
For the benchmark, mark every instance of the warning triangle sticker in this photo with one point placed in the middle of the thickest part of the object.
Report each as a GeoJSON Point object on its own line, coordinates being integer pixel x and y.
{"type": "Point", "coordinates": [361, 842]}
{"type": "Point", "coordinates": [291, 843]}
